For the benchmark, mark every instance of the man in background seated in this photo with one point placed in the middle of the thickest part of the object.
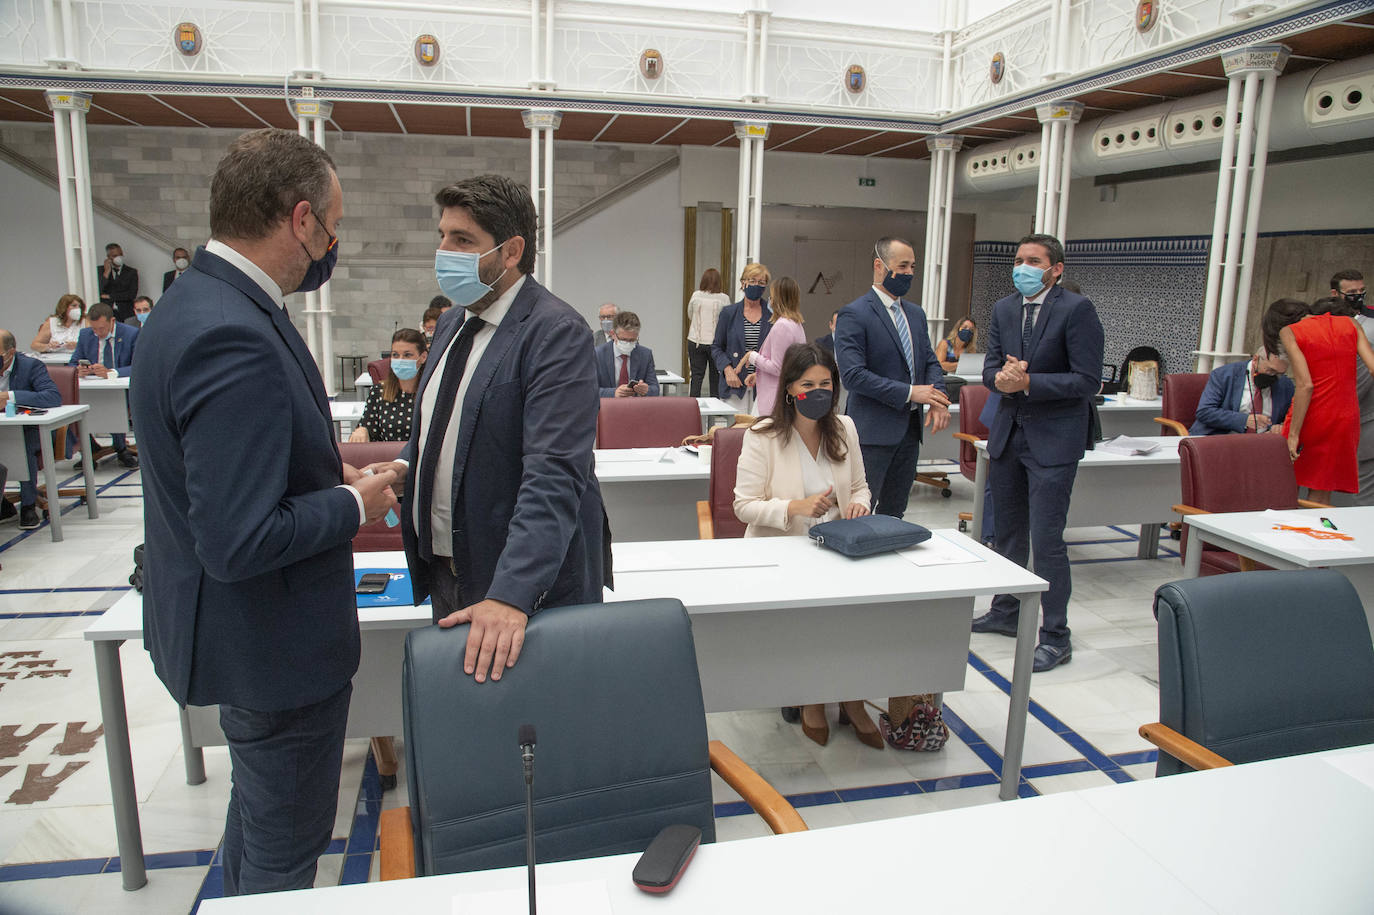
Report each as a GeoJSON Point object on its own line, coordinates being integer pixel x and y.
{"type": "Point", "coordinates": [1228, 403]}
{"type": "Point", "coordinates": [143, 306]}
{"type": "Point", "coordinates": [429, 321]}
{"type": "Point", "coordinates": [181, 259]}
{"type": "Point", "coordinates": [623, 367]}
{"type": "Point", "coordinates": [107, 348]}
{"type": "Point", "coordinates": [605, 331]}
{"type": "Point", "coordinates": [26, 381]}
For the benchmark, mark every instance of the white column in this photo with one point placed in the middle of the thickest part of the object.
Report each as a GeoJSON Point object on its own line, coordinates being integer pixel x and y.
{"type": "Point", "coordinates": [66, 192]}
{"type": "Point", "coordinates": [756, 203]}
{"type": "Point", "coordinates": [742, 209]}
{"type": "Point", "coordinates": [935, 280]}
{"type": "Point", "coordinates": [1056, 165]}
{"type": "Point", "coordinates": [74, 192]}
{"type": "Point", "coordinates": [1253, 72]}
{"type": "Point", "coordinates": [749, 210]}
{"type": "Point", "coordinates": [311, 114]}
{"type": "Point", "coordinates": [541, 124]}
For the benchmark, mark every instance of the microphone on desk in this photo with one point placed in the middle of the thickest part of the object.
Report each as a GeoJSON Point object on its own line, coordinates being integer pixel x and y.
{"type": "Point", "coordinates": [527, 758]}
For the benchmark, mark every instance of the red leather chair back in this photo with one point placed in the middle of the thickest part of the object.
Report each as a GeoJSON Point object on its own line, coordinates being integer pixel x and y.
{"type": "Point", "coordinates": [378, 369]}
{"type": "Point", "coordinates": [375, 537]}
{"type": "Point", "coordinates": [646, 422]}
{"type": "Point", "coordinates": [725, 451]}
{"type": "Point", "coordinates": [1182, 391]}
{"type": "Point", "coordinates": [64, 376]}
{"type": "Point", "coordinates": [1235, 473]}
{"type": "Point", "coordinates": [972, 399]}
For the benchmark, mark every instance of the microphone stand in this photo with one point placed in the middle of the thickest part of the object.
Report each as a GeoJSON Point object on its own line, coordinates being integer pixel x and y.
{"type": "Point", "coordinates": [527, 758]}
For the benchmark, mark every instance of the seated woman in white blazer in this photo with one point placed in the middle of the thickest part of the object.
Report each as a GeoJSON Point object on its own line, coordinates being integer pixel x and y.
{"type": "Point", "coordinates": [799, 466]}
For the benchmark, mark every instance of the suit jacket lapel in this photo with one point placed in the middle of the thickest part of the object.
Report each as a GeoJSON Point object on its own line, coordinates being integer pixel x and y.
{"type": "Point", "coordinates": [1042, 319]}
{"type": "Point", "coordinates": [885, 319]}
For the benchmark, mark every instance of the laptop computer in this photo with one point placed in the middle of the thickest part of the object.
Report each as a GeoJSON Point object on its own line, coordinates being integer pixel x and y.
{"type": "Point", "coordinates": [970, 364]}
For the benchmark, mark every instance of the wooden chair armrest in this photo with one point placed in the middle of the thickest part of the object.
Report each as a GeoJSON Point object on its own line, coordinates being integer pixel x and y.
{"type": "Point", "coordinates": [397, 845]}
{"type": "Point", "coordinates": [706, 528]}
{"type": "Point", "coordinates": [1189, 752]}
{"type": "Point", "coordinates": [1173, 425]}
{"type": "Point", "coordinates": [762, 797]}
{"type": "Point", "coordinates": [1189, 510]}
{"type": "Point", "coordinates": [966, 437]}
{"type": "Point", "coordinates": [1308, 503]}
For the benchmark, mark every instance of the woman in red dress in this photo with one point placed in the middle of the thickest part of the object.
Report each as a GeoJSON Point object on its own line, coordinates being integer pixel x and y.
{"type": "Point", "coordinates": [1323, 425]}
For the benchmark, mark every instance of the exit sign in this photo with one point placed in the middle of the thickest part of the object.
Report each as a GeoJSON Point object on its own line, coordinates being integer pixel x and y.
{"type": "Point", "coordinates": [868, 182]}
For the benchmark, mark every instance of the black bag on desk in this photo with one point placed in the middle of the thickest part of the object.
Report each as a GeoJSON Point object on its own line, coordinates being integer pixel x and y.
{"type": "Point", "coordinates": [870, 534]}
{"type": "Point", "coordinates": [136, 579]}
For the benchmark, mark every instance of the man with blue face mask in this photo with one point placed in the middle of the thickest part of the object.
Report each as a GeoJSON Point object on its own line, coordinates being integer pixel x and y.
{"type": "Point", "coordinates": [143, 306]}
{"type": "Point", "coordinates": [894, 380]}
{"type": "Point", "coordinates": [1044, 358]}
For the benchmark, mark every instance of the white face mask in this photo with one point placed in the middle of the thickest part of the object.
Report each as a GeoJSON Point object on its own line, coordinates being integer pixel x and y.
{"type": "Point", "coordinates": [624, 347]}
{"type": "Point", "coordinates": [119, 260]}
{"type": "Point", "coordinates": [73, 314]}
{"type": "Point", "coordinates": [181, 263]}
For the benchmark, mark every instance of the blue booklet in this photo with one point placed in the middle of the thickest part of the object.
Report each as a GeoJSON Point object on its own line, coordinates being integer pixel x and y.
{"type": "Point", "coordinates": [397, 590]}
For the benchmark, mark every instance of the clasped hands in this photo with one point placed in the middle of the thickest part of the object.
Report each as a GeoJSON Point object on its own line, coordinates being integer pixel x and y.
{"type": "Point", "coordinates": [816, 506]}
{"type": "Point", "coordinates": [375, 487]}
{"type": "Point", "coordinates": [1013, 376]}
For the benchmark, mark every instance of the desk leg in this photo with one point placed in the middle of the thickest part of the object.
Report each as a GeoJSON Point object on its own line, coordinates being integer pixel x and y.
{"type": "Point", "coordinates": [110, 680]}
{"type": "Point", "coordinates": [1149, 542]}
{"type": "Point", "coordinates": [980, 485]}
{"type": "Point", "coordinates": [1192, 556]}
{"type": "Point", "coordinates": [1027, 625]}
{"type": "Point", "coordinates": [87, 470]}
{"type": "Point", "coordinates": [50, 480]}
{"type": "Point", "coordinates": [192, 754]}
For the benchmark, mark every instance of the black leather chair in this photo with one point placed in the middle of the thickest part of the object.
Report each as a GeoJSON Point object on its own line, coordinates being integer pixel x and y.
{"type": "Point", "coordinates": [1260, 665]}
{"type": "Point", "coordinates": [614, 695]}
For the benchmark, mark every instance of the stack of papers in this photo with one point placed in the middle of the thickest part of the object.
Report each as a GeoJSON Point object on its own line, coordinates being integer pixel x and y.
{"type": "Point", "coordinates": [1124, 444]}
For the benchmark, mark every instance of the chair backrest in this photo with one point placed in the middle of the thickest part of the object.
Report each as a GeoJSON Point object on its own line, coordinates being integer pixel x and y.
{"type": "Point", "coordinates": [1258, 665]}
{"type": "Point", "coordinates": [1182, 391]}
{"type": "Point", "coordinates": [972, 399]}
{"type": "Point", "coordinates": [646, 422]}
{"type": "Point", "coordinates": [378, 368]}
{"type": "Point", "coordinates": [68, 385]}
{"type": "Point", "coordinates": [618, 757]}
{"type": "Point", "coordinates": [1237, 473]}
{"type": "Point", "coordinates": [721, 494]}
{"type": "Point", "coordinates": [375, 537]}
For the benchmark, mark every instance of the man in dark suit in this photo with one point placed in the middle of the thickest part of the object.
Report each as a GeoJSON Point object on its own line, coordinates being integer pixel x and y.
{"type": "Point", "coordinates": [249, 514]}
{"type": "Point", "coordinates": [107, 348]}
{"type": "Point", "coordinates": [118, 282]}
{"type": "Point", "coordinates": [1044, 357]}
{"type": "Point", "coordinates": [1251, 396]}
{"type": "Point", "coordinates": [181, 260]}
{"type": "Point", "coordinates": [624, 367]}
{"type": "Point", "coordinates": [827, 342]}
{"type": "Point", "coordinates": [143, 306]}
{"type": "Point", "coordinates": [886, 361]}
{"type": "Point", "coordinates": [605, 328]}
{"type": "Point", "coordinates": [25, 380]}
{"type": "Point", "coordinates": [503, 514]}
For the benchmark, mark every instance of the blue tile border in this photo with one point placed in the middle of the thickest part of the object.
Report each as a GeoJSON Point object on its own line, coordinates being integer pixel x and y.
{"type": "Point", "coordinates": [10, 873]}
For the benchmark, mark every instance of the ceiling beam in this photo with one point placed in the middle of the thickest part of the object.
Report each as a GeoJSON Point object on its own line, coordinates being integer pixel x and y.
{"type": "Point", "coordinates": [676, 127]}
{"type": "Point", "coordinates": [854, 142]}
{"type": "Point", "coordinates": [800, 136]}
{"type": "Point", "coordinates": [198, 123]}
{"type": "Point", "coordinates": [394, 114]}
{"type": "Point", "coordinates": [260, 118]}
{"type": "Point", "coordinates": [116, 114]}
{"type": "Point", "coordinates": [605, 127]}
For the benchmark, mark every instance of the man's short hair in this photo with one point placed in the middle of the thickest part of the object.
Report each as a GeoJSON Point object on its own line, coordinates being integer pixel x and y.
{"type": "Point", "coordinates": [883, 247]}
{"type": "Point", "coordinates": [611, 305]}
{"type": "Point", "coordinates": [431, 314]}
{"type": "Point", "coordinates": [261, 178]}
{"type": "Point", "coordinates": [143, 298]}
{"type": "Point", "coordinates": [502, 207]}
{"type": "Point", "coordinates": [112, 245]}
{"type": "Point", "coordinates": [99, 310]}
{"type": "Point", "coordinates": [181, 249]}
{"type": "Point", "coordinates": [441, 301]}
{"type": "Point", "coordinates": [627, 320]}
{"type": "Point", "coordinates": [6, 341]}
{"type": "Point", "coordinates": [1052, 245]}
{"type": "Point", "coordinates": [1346, 276]}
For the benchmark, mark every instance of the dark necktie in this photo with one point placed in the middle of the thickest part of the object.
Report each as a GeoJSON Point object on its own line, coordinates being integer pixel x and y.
{"type": "Point", "coordinates": [624, 369]}
{"type": "Point", "coordinates": [1027, 329]}
{"type": "Point", "coordinates": [107, 356]}
{"type": "Point", "coordinates": [438, 424]}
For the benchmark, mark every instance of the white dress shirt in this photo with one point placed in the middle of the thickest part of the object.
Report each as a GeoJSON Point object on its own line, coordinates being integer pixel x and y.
{"type": "Point", "coordinates": [269, 286]}
{"type": "Point", "coordinates": [441, 508]}
{"type": "Point", "coordinates": [1245, 403]}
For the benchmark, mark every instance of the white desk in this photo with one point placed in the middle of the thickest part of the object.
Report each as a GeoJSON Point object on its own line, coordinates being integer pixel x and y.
{"type": "Point", "coordinates": [648, 497]}
{"type": "Point", "coordinates": [1282, 836]}
{"type": "Point", "coordinates": [715, 412]}
{"type": "Point", "coordinates": [1114, 489]}
{"type": "Point", "coordinates": [57, 357]}
{"type": "Point", "coordinates": [13, 456]}
{"type": "Point", "coordinates": [108, 399]}
{"type": "Point", "coordinates": [667, 379]}
{"type": "Point", "coordinates": [375, 708]}
{"type": "Point", "coordinates": [1250, 534]}
{"type": "Point", "coordinates": [1119, 415]}
{"type": "Point", "coordinates": [363, 382]}
{"type": "Point", "coordinates": [781, 621]}
{"type": "Point", "coordinates": [346, 411]}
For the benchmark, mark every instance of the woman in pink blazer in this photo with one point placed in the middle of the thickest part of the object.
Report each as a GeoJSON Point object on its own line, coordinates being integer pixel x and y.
{"type": "Point", "coordinates": [799, 466]}
{"type": "Point", "coordinates": [785, 300]}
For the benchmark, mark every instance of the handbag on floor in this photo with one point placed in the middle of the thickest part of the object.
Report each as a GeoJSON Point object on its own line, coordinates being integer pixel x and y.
{"type": "Point", "coordinates": [922, 728]}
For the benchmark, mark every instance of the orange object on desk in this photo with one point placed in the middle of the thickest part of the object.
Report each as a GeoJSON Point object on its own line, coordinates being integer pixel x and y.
{"type": "Point", "coordinates": [1314, 533]}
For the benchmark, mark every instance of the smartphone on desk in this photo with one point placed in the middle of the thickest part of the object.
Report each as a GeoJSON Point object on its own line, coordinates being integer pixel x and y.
{"type": "Point", "coordinates": [373, 583]}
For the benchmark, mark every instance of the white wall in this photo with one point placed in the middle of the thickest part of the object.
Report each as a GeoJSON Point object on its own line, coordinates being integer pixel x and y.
{"type": "Point", "coordinates": [31, 258]}
{"type": "Point", "coordinates": [802, 179]}
{"type": "Point", "coordinates": [630, 254]}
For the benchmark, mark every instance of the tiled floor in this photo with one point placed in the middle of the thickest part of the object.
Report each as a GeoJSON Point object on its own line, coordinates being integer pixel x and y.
{"type": "Point", "coordinates": [57, 845]}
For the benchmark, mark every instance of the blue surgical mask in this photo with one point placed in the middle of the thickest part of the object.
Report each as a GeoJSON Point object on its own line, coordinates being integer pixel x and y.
{"type": "Point", "coordinates": [1029, 280]}
{"type": "Point", "coordinates": [459, 275]}
{"type": "Point", "coordinates": [319, 271]}
{"type": "Point", "coordinates": [405, 369]}
{"type": "Point", "coordinates": [754, 291]}
{"type": "Point", "coordinates": [143, 316]}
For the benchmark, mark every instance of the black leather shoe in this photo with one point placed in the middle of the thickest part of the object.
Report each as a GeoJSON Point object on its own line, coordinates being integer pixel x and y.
{"type": "Point", "coordinates": [1048, 657]}
{"type": "Point", "coordinates": [28, 517]}
{"type": "Point", "coordinates": [791, 713]}
{"type": "Point", "coordinates": [7, 511]}
{"type": "Point", "coordinates": [995, 622]}
{"type": "Point", "coordinates": [126, 459]}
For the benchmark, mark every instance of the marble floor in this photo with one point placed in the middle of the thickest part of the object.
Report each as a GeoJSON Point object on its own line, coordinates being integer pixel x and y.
{"type": "Point", "coordinates": [57, 839]}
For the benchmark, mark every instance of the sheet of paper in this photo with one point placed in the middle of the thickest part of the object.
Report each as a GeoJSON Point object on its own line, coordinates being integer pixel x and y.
{"type": "Point", "coordinates": [629, 455]}
{"type": "Point", "coordinates": [1358, 765]}
{"type": "Point", "coordinates": [588, 897]}
{"type": "Point", "coordinates": [937, 551]}
{"type": "Point", "coordinates": [1124, 444]}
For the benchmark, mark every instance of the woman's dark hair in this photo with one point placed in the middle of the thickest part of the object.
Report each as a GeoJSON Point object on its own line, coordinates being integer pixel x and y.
{"type": "Point", "coordinates": [1334, 305]}
{"type": "Point", "coordinates": [391, 385]}
{"type": "Point", "coordinates": [1277, 316]}
{"type": "Point", "coordinates": [710, 280]}
{"type": "Point", "coordinates": [795, 362]}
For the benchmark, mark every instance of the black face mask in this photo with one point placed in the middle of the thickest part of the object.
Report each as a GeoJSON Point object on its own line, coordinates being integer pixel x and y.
{"type": "Point", "coordinates": [1355, 298]}
{"type": "Point", "coordinates": [1265, 381]}
{"type": "Point", "coordinates": [320, 269]}
{"type": "Point", "coordinates": [815, 403]}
